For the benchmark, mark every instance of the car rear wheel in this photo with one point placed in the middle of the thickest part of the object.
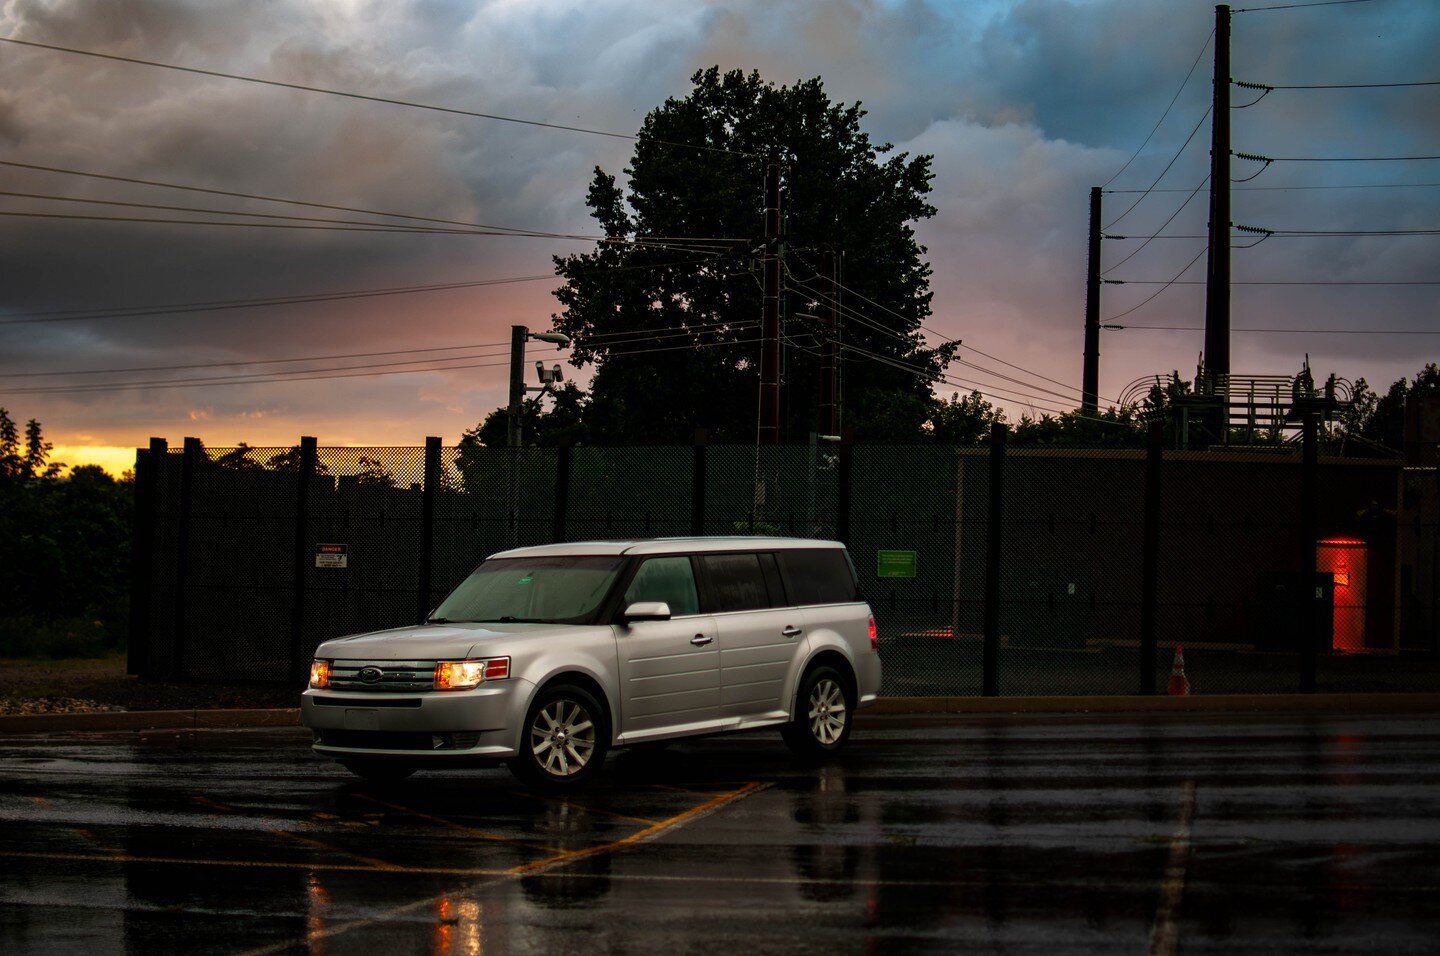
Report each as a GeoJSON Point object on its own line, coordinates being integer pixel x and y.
{"type": "Point", "coordinates": [824, 713]}
{"type": "Point", "coordinates": [565, 741]}
{"type": "Point", "coordinates": [380, 771]}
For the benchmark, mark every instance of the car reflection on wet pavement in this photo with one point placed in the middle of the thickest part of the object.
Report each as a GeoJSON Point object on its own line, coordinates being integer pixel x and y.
{"type": "Point", "coordinates": [1156, 834]}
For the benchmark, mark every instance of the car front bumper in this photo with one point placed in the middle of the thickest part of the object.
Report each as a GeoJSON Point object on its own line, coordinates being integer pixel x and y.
{"type": "Point", "coordinates": [436, 726]}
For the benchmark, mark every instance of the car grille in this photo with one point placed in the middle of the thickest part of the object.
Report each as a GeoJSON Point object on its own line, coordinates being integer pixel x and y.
{"type": "Point", "coordinates": [394, 675]}
{"type": "Point", "coordinates": [396, 740]}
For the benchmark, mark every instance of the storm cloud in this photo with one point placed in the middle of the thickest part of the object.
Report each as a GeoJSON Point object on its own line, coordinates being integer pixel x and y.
{"type": "Point", "coordinates": [1025, 105]}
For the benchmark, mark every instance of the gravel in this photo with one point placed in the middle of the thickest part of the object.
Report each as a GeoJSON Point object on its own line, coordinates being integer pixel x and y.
{"type": "Point", "coordinates": [101, 685]}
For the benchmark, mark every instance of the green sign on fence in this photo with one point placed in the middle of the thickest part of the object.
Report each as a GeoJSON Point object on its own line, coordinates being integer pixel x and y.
{"type": "Point", "coordinates": [895, 564]}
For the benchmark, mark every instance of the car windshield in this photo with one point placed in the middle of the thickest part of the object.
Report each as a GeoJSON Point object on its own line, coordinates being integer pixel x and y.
{"type": "Point", "coordinates": [550, 590]}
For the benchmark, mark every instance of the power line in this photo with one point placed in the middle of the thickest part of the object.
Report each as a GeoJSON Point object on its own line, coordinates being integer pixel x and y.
{"type": "Point", "coordinates": [267, 215]}
{"type": "Point", "coordinates": [374, 227]}
{"type": "Point", "coordinates": [1141, 198]}
{"type": "Point", "coordinates": [854, 315]}
{"type": "Point", "coordinates": [1136, 251]}
{"type": "Point", "coordinates": [1300, 6]}
{"type": "Point", "coordinates": [609, 340]}
{"type": "Point", "coordinates": [160, 184]}
{"type": "Point", "coordinates": [355, 209]}
{"type": "Point", "coordinates": [234, 364]}
{"type": "Point", "coordinates": [304, 376]}
{"type": "Point", "coordinates": [361, 96]}
{"type": "Point", "coordinates": [77, 315]}
{"type": "Point", "coordinates": [1201, 328]}
{"type": "Point", "coordinates": [1345, 159]}
{"type": "Point", "coordinates": [1205, 46]}
{"type": "Point", "coordinates": [1304, 234]}
{"type": "Point", "coordinates": [1238, 189]}
{"type": "Point", "coordinates": [1299, 282]}
{"type": "Point", "coordinates": [1333, 86]}
{"type": "Point", "coordinates": [1159, 290]}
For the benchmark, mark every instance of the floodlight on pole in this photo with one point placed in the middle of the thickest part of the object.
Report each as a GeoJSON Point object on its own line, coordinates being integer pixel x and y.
{"type": "Point", "coordinates": [518, 335]}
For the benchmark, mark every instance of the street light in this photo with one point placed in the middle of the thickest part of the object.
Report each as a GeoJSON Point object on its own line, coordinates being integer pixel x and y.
{"type": "Point", "coordinates": [518, 335]}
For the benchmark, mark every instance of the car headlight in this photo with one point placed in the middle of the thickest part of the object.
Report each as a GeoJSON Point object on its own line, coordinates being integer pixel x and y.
{"type": "Point", "coordinates": [319, 673]}
{"type": "Point", "coordinates": [463, 675]}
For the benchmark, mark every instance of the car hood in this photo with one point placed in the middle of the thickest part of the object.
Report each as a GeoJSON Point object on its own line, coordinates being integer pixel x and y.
{"type": "Point", "coordinates": [435, 641]}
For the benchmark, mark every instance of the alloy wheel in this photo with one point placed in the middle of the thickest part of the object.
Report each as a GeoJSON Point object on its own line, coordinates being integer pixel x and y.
{"type": "Point", "coordinates": [827, 711]}
{"type": "Point", "coordinates": [562, 738]}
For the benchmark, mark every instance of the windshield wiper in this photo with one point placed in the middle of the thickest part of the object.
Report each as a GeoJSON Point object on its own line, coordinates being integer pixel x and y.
{"type": "Point", "coordinates": [437, 620]}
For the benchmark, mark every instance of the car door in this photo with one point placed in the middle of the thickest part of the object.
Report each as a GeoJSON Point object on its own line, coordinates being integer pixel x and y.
{"type": "Point", "coordinates": [758, 635]}
{"type": "Point", "coordinates": [669, 670]}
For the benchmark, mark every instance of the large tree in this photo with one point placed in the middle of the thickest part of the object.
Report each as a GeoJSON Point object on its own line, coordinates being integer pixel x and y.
{"type": "Point", "coordinates": [667, 307]}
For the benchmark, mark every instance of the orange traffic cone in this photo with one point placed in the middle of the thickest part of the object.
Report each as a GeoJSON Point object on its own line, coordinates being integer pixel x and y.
{"type": "Point", "coordinates": [1179, 683]}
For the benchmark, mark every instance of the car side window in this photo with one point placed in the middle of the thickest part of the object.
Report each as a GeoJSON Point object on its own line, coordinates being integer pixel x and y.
{"type": "Point", "coordinates": [736, 582]}
{"type": "Point", "coordinates": [670, 579]}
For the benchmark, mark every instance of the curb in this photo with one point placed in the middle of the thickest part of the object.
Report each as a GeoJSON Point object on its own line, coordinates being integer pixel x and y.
{"type": "Point", "coordinates": [1382, 703]}
{"type": "Point", "coordinates": [149, 720]}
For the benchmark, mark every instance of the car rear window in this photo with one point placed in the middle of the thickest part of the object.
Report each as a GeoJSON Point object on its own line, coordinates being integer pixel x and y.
{"type": "Point", "coordinates": [819, 576]}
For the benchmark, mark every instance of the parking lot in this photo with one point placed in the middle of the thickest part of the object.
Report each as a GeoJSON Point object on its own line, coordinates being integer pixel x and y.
{"type": "Point", "coordinates": [1017, 834]}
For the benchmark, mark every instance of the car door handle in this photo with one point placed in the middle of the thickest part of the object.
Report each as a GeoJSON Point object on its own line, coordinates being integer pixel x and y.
{"type": "Point", "coordinates": [700, 640]}
{"type": "Point", "coordinates": [791, 631]}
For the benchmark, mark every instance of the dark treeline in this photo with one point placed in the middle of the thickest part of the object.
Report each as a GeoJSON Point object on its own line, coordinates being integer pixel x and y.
{"type": "Point", "coordinates": [64, 551]}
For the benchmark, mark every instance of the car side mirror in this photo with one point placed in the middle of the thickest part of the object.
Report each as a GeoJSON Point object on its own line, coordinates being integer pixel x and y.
{"type": "Point", "coordinates": [646, 611]}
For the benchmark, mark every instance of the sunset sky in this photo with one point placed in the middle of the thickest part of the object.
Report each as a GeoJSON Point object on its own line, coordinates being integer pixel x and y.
{"type": "Point", "coordinates": [1025, 105]}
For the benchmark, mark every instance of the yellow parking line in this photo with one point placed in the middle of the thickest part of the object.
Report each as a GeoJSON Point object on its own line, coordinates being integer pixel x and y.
{"type": "Point", "coordinates": [1165, 932]}
{"type": "Point", "coordinates": [588, 809]}
{"type": "Point", "coordinates": [260, 864]}
{"type": "Point", "coordinates": [713, 803]}
{"type": "Point", "coordinates": [482, 834]}
{"type": "Point", "coordinates": [321, 845]}
{"type": "Point", "coordinates": [298, 838]}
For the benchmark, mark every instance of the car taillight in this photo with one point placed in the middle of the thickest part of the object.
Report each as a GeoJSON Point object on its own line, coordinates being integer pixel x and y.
{"type": "Point", "coordinates": [874, 635]}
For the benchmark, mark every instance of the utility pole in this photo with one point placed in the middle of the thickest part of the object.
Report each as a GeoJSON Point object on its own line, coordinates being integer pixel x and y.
{"type": "Point", "coordinates": [518, 334]}
{"type": "Point", "coordinates": [1090, 379]}
{"type": "Point", "coordinates": [1217, 272]}
{"type": "Point", "coordinates": [826, 420]}
{"type": "Point", "coordinates": [768, 432]}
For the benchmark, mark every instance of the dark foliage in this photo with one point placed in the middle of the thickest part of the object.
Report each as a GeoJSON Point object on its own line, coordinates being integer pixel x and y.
{"type": "Point", "coordinates": [64, 547]}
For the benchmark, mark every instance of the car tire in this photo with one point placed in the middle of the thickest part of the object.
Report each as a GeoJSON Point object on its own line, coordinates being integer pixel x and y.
{"type": "Point", "coordinates": [824, 714]}
{"type": "Point", "coordinates": [380, 771]}
{"type": "Point", "coordinates": [564, 740]}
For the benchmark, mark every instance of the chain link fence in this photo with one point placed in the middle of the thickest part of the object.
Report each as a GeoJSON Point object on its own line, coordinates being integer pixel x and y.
{"type": "Point", "coordinates": [1019, 571]}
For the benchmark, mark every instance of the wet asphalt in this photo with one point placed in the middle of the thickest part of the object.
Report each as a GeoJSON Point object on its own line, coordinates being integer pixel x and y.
{"type": "Point", "coordinates": [1159, 834]}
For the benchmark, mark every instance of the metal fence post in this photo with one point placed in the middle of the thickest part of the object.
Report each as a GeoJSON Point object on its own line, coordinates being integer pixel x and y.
{"type": "Point", "coordinates": [300, 652]}
{"type": "Point", "coordinates": [423, 584]}
{"type": "Point", "coordinates": [1309, 469]}
{"type": "Point", "coordinates": [189, 464]}
{"type": "Point", "coordinates": [697, 486]}
{"type": "Point", "coordinates": [844, 485]}
{"type": "Point", "coordinates": [562, 492]}
{"type": "Point", "coordinates": [1150, 557]}
{"type": "Point", "coordinates": [994, 514]}
{"type": "Point", "coordinates": [139, 660]}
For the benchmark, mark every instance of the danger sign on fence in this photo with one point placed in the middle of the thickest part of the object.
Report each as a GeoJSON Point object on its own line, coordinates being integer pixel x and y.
{"type": "Point", "coordinates": [331, 556]}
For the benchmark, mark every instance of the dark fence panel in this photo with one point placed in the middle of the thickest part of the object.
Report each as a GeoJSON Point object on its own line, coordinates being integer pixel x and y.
{"type": "Point", "coordinates": [238, 549]}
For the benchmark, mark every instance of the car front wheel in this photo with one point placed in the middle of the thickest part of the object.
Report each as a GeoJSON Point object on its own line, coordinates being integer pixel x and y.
{"type": "Point", "coordinates": [565, 741]}
{"type": "Point", "coordinates": [824, 713]}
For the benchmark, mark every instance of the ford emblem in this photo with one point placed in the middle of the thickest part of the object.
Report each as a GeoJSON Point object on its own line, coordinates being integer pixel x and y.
{"type": "Point", "coordinates": [370, 675]}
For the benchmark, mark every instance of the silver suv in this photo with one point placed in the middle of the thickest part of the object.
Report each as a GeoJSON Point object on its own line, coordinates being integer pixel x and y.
{"type": "Point", "coordinates": [547, 657]}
